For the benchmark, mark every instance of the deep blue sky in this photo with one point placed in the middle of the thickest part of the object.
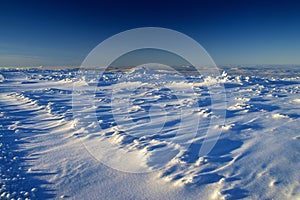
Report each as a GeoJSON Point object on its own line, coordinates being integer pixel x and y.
{"type": "Point", "coordinates": [233, 32]}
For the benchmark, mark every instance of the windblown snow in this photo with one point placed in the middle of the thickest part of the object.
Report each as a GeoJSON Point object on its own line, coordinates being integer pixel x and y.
{"type": "Point", "coordinates": [137, 134]}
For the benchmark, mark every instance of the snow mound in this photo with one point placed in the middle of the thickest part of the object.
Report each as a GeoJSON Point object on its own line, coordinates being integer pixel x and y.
{"type": "Point", "coordinates": [296, 100]}
{"type": "Point", "coordinates": [1, 78]}
{"type": "Point", "coordinates": [280, 116]}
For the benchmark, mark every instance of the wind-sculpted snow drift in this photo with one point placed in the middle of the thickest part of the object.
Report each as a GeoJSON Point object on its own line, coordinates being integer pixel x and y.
{"type": "Point", "coordinates": [48, 150]}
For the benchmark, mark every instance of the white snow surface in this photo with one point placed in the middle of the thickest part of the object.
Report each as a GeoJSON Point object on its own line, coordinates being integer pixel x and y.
{"type": "Point", "coordinates": [48, 151]}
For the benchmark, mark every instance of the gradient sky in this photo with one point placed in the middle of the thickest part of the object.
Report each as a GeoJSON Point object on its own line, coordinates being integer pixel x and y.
{"type": "Point", "coordinates": [62, 33]}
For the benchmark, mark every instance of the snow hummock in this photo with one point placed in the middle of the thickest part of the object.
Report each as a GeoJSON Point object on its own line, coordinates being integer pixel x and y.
{"type": "Point", "coordinates": [1, 78]}
{"type": "Point", "coordinates": [280, 116]}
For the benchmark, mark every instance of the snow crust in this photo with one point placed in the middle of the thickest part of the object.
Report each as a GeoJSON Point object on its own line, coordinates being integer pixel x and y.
{"type": "Point", "coordinates": [49, 152]}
